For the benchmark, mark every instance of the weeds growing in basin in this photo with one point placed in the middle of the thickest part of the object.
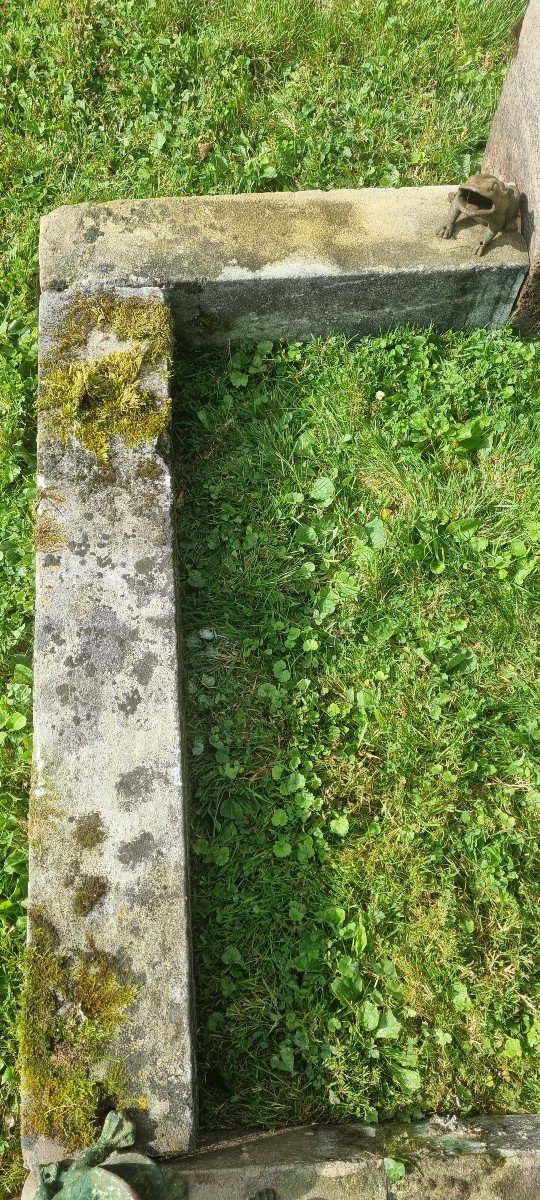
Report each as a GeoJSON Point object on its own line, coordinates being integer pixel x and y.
{"type": "Point", "coordinates": [360, 545]}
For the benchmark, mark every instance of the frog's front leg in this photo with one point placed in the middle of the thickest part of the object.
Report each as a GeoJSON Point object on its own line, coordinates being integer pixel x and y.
{"type": "Point", "coordinates": [491, 232]}
{"type": "Point", "coordinates": [118, 1132]}
{"type": "Point", "coordinates": [447, 230]}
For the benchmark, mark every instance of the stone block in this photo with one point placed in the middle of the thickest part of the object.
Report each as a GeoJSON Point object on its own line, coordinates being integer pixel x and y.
{"type": "Point", "coordinates": [290, 265]}
{"type": "Point", "coordinates": [443, 1159]}
{"type": "Point", "coordinates": [513, 153]}
{"type": "Point", "coordinates": [108, 997]}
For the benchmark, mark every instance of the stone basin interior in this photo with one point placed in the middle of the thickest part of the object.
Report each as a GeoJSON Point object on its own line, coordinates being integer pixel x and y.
{"type": "Point", "coordinates": [221, 513]}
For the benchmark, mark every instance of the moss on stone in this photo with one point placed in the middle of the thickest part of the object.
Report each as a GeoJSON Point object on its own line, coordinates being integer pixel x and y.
{"type": "Point", "coordinates": [45, 809]}
{"type": "Point", "coordinates": [89, 891]}
{"type": "Point", "coordinates": [89, 831]}
{"type": "Point", "coordinates": [48, 533]}
{"type": "Point", "coordinates": [95, 401]}
{"type": "Point", "coordinates": [130, 318]}
{"type": "Point", "coordinates": [207, 324]}
{"type": "Point", "coordinates": [72, 1010]}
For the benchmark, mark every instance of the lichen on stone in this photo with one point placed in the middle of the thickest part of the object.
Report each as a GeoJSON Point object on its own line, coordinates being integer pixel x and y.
{"type": "Point", "coordinates": [72, 1010]}
{"type": "Point", "coordinates": [97, 398]}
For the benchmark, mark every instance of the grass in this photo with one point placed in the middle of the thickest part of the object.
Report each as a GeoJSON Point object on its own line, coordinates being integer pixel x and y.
{"type": "Point", "coordinates": [103, 99]}
{"type": "Point", "coordinates": [360, 533]}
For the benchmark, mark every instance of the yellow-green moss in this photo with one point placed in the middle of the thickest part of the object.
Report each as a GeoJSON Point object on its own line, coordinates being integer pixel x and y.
{"type": "Point", "coordinates": [130, 318]}
{"type": "Point", "coordinates": [48, 533]}
{"type": "Point", "coordinates": [89, 891]}
{"type": "Point", "coordinates": [45, 809]}
{"type": "Point", "coordinates": [96, 401]}
{"type": "Point", "coordinates": [89, 831]}
{"type": "Point", "coordinates": [72, 1010]}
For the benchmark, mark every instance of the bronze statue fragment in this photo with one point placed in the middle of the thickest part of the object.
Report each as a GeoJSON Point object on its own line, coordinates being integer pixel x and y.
{"type": "Point", "coordinates": [488, 200]}
{"type": "Point", "coordinates": [112, 1169]}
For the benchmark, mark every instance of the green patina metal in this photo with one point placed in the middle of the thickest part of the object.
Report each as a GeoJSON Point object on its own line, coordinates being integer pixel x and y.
{"type": "Point", "coordinates": [110, 1170]}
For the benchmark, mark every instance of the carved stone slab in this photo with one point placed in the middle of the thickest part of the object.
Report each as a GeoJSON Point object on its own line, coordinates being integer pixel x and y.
{"type": "Point", "coordinates": [290, 264]}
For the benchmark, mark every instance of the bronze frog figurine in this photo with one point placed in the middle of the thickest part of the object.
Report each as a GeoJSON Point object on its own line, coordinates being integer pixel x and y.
{"type": "Point", "coordinates": [102, 1173]}
{"type": "Point", "coordinates": [488, 200]}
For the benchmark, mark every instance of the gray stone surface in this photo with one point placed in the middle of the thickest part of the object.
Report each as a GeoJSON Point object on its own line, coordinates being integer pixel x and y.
{"type": "Point", "coordinates": [445, 1159]}
{"type": "Point", "coordinates": [108, 750]}
{"type": "Point", "coordinates": [513, 153]}
{"type": "Point", "coordinates": [290, 264]}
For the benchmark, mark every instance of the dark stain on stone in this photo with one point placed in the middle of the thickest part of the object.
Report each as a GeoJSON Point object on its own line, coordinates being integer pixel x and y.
{"type": "Point", "coordinates": [92, 234]}
{"type": "Point", "coordinates": [132, 853]}
{"type": "Point", "coordinates": [145, 667]}
{"type": "Point", "coordinates": [145, 566]}
{"type": "Point", "coordinates": [130, 702]}
{"type": "Point", "coordinates": [51, 560]}
{"type": "Point", "coordinates": [48, 633]}
{"type": "Point", "coordinates": [136, 784]}
{"type": "Point", "coordinates": [167, 622]}
{"type": "Point", "coordinates": [103, 639]}
{"type": "Point", "coordinates": [81, 547]}
{"type": "Point", "coordinates": [64, 693]}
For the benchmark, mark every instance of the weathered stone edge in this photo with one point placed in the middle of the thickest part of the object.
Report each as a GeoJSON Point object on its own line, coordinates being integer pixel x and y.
{"type": "Point", "coordinates": [108, 860]}
{"type": "Point", "coordinates": [513, 153]}
{"type": "Point", "coordinates": [444, 1158]}
{"type": "Point", "coordinates": [289, 264]}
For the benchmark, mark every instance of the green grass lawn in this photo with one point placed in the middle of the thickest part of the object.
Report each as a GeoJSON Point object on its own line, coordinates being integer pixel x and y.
{"type": "Point", "coordinates": [103, 99]}
{"type": "Point", "coordinates": [360, 533]}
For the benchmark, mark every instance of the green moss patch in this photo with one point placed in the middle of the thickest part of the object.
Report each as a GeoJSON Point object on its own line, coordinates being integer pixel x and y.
{"type": "Point", "coordinates": [99, 399]}
{"type": "Point", "coordinates": [130, 318]}
{"type": "Point", "coordinates": [48, 534]}
{"type": "Point", "coordinates": [72, 1009]}
{"type": "Point", "coordinates": [96, 401]}
{"type": "Point", "coordinates": [90, 831]}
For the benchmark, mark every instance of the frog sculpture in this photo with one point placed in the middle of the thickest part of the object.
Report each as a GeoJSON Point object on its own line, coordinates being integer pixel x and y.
{"type": "Point", "coordinates": [486, 199]}
{"type": "Point", "coordinates": [112, 1169]}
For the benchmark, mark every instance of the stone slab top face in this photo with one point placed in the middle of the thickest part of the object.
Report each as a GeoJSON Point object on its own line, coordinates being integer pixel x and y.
{"type": "Point", "coordinates": [271, 235]}
{"type": "Point", "coordinates": [513, 153]}
{"type": "Point", "coordinates": [109, 946]}
{"type": "Point", "coordinates": [290, 264]}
